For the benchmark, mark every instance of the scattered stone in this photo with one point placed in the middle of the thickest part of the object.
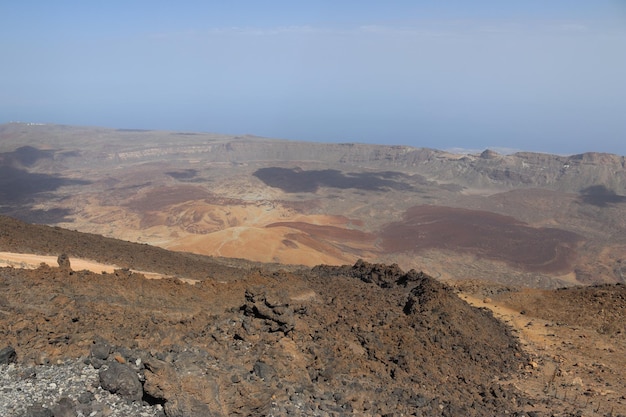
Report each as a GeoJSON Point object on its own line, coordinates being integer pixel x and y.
{"type": "Point", "coordinates": [85, 397]}
{"type": "Point", "coordinates": [64, 262]}
{"type": "Point", "coordinates": [7, 356]}
{"type": "Point", "coordinates": [64, 408]}
{"type": "Point", "coordinates": [121, 380]}
{"type": "Point", "coordinates": [278, 315]}
{"type": "Point", "coordinates": [38, 410]}
{"type": "Point", "coordinates": [263, 370]}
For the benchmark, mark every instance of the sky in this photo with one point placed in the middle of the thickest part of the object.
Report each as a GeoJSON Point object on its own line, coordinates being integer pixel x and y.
{"type": "Point", "coordinates": [535, 75]}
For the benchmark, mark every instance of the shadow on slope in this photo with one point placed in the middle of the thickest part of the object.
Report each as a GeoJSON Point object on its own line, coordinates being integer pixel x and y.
{"type": "Point", "coordinates": [296, 180]}
{"type": "Point", "coordinates": [484, 234]}
{"type": "Point", "coordinates": [19, 188]}
{"type": "Point", "coordinates": [17, 236]}
{"type": "Point", "coordinates": [601, 196]}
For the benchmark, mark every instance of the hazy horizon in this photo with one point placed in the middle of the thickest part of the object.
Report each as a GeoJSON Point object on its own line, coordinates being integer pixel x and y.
{"type": "Point", "coordinates": [536, 76]}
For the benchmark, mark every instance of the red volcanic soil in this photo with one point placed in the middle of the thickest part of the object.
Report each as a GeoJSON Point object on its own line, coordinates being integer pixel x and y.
{"type": "Point", "coordinates": [160, 198]}
{"type": "Point", "coordinates": [327, 232]}
{"type": "Point", "coordinates": [485, 234]}
{"type": "Point", "coordinates": [333, 240]}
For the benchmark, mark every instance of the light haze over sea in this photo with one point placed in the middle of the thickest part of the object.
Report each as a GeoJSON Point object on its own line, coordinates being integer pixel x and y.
{"type": "Point", "coordinates": [545, 76]}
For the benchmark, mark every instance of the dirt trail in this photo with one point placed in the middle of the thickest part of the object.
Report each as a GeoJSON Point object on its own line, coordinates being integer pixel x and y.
{"type": "Point", "coordinates": [32, 261]}
{"type": "Point", "coordinates": [532, 337]}
{"type": "Point", "coordinates": [575, 364]}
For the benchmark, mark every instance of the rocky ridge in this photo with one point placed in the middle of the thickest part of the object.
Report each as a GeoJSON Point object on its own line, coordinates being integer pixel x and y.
{"type": "Point", "coordinates": [571, 173]}
{"type": "Point", "coordinates": [270, 353]}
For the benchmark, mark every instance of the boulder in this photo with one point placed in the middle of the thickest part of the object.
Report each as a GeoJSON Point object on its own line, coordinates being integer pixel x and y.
{"type": "Point", "coordinates": [38, 410]}
{"type": "Point", "coordinates": [182, 394]}
{"type": "Point", "coordinates": [121, 380]}
{"type": "Point", "coordinates": [99, 353]}
{"type": "Point", "coordinates": [7, 356]}
{"type": "Point", "coordinates": [278, 315]}
{"type": "Point", "coordinates": [64, 408]}
{"type": "Point", "coordinates": [263, 370]}
{"type": "Point", "coordinates": [64, 262]}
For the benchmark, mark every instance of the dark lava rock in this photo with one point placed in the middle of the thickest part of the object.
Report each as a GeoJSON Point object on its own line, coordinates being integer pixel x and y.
{"type": "Point", "coordinates": [374, 341]}
{"type": "Point", "coordinates": [428, 351]}
{"type": "Point", "coordinates": [37, 410]}
{"type": "Point", "coordinates": [98, 353]}
{"type": "Point", "coordinates": [64, 408]}
{"type": "Point", "coordinates": [385, 276]}
{"type": "Point", "coordinates": [85, 397]}
{"type": "Point", "coordinates": [178, 393]}
{"type": "Point", "coordinates": [7, 356]}
{"type": "Point", "coordinates": [472, 332]}
{"type": "Point", "coordinates": [100, 350]}
{"type": "Point", "coordinates": [121, 380]}
{"type": "Point", "coordinates": [277, 314]}
{"type": "Point", "coordinates": [64, 262]}
{"type": "Point", "coordinates": [263, 370]}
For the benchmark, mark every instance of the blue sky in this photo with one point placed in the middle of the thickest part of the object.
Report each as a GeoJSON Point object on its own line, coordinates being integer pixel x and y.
{"type": "Point", "coordinates": [546, 76]}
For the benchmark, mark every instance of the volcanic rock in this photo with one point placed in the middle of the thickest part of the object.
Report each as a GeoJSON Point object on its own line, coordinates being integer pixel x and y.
{"type": "Point", "coordinates": [65, 407]}
{"type": "Point", "coordinates": [120, 379]}
{"type": "Point", "coordinates": [182, 393]}
{"type": "Point", "coordinates": [7, 355]}
{"type": "Point", "coordinates": [38, 410]}
{"type": "Point", "coordinates": [362, 339]}
{"type": "Point", "coordinates": [384, 276]}
{"type": "Point", "coordinates": [64, 262]}
{"type": "Point", "coordinates": [277, 314]}
{"type": "Point", "coordinates": [98, 353]}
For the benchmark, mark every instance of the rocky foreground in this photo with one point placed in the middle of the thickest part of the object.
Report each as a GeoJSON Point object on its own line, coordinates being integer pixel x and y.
{"type": "Point", "coordinates": [360, 340]}
{"type": "Point", "coordinates": [366, 339]}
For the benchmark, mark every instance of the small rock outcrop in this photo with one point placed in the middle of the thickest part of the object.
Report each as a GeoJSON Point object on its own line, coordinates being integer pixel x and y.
{"type": "Point", "coordinates": [120, 379]}
{"type": "Point", "coordinates": [7, 356]}
{"type": "Point", "coordinates": [385, 276]}
{"type": "Point", "coordinates": [64, 262]}
{"type": "Point", "coordinates": [276, 313]}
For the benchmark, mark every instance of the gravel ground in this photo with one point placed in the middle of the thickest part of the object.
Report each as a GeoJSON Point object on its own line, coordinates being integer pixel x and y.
{"type": "Point", "coordinates": [68, 389]}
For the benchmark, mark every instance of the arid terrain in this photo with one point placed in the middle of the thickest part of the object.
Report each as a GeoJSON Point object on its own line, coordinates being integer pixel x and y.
{"type": "Point", "coordinates": [231, 337]}
{"type": "Point", "coordinates": [524, 219]}
{"type": "Point", "coordinates": [251, 276]}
